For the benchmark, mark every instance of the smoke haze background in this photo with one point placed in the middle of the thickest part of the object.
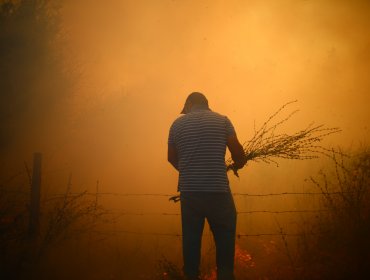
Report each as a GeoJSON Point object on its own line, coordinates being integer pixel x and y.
{"type": "Point", "coordinates": [125, 68]}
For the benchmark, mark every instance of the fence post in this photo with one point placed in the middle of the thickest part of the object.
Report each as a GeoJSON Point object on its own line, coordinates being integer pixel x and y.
{"type": "Point", "coordinates": [35, 197]}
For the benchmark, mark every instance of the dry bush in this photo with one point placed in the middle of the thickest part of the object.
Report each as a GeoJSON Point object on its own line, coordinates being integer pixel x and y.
{"type": "Point", "coordinates": [62, 218]}
{"type": "Point", "coordinates": [340, 245]}
{"type": "Point", "coordinates": [267, 144]}
{"type": "Point", "coordinates": [68, 216]}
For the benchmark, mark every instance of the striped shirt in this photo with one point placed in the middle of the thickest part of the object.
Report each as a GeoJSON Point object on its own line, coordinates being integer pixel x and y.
{"type": "Point", "coordinates": [200, 139]}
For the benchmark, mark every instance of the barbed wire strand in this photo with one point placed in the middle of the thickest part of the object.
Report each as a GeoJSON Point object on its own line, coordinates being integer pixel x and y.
{"type": "Point", "coordinates": [57, 196]}
{"type": "Point", "coordinates": [119, 214]}
{"type": "Point", "coordinates": [239, 235]}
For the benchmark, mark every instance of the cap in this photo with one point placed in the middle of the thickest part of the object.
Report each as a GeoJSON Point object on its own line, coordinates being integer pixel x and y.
{"type": "Point", "coordinates": [194, 98]}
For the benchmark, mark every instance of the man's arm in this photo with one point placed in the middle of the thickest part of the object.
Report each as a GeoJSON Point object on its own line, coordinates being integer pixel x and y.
{"type": "Point", "coordinates": [172, 156]}
{"type": "Point", "coordinates": [237, 151]}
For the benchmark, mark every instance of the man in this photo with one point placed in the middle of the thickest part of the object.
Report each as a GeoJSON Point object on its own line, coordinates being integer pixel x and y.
{"type": "Point", "coordinates": [196, 148]}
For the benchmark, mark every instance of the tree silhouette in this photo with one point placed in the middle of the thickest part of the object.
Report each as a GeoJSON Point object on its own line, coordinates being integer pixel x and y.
{"type": "Point", "coordinates": [33, 81]}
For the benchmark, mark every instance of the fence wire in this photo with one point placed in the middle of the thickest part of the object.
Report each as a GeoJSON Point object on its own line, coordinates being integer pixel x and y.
{"type": "Point", "coordinates": [123, 213]}
{"type": "Point", "coordinates": [238, 235]}
{"type": "Point", "coordinates": [57, 196]}
{"type": "Point", "coordinates": [117, 213]}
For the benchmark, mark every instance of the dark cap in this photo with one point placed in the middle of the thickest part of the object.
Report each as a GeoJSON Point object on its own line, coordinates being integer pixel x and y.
{"type": "Point", "coordinates": [195, 98]}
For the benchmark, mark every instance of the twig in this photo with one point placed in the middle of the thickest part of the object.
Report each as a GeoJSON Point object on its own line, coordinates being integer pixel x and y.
{"type": "Point", "coordinates": [266, 145]}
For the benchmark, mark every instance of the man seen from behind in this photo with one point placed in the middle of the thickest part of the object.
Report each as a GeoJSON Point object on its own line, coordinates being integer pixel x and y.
{"type": "Point", "coordinates": [196, 148]}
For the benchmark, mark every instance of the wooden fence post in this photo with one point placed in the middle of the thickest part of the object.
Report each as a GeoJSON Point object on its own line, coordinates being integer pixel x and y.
{"type": "Point", "coordinates": [34, 224]}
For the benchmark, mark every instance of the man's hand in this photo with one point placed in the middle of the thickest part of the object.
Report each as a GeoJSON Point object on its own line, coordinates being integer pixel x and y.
{"type": "Point", "coordinates": [175, 198]}
{"type": "Point", "coordinates": [237, 153]}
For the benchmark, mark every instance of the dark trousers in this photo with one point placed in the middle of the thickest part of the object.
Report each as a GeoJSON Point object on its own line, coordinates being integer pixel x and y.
{"type": "Point", "coordinates": [219, 210]}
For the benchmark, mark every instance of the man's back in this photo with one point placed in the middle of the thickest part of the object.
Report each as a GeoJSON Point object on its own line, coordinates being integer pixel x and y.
{"type": "Point", "coordinates": [200, 138]}
{"type": "Point", "coordinates": [196, 148]}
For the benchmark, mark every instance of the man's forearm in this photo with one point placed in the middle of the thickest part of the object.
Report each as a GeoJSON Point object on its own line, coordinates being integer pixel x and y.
{"type": "Point", "coordinates": [237, 152]}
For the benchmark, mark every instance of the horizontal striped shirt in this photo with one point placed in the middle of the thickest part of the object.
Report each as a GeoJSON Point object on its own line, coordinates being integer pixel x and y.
{"type": "Point", "coordinates": [200, 138]}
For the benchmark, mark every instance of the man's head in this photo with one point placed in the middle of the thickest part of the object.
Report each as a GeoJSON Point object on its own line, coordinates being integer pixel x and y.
{"type": "Point", "coordinates": [194, 98]}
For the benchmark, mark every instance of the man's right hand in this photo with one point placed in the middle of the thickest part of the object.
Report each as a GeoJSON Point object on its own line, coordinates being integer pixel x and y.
{"type": "Point", "coordinates": [237, 152]}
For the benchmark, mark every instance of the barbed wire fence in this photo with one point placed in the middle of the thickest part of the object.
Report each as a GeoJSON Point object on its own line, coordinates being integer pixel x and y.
{"type": "Point", "coordinates": [117, 213]}
{"type": "Point", "coordinates": [266, 145]}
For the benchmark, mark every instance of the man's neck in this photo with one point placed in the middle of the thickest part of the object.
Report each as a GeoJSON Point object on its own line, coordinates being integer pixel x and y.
{"type": "Point", "coordinates": [199, 107]}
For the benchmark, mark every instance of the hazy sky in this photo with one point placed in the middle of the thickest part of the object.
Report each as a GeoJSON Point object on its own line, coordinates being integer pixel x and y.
{"type": "Point", "coordinates": [138, 61]}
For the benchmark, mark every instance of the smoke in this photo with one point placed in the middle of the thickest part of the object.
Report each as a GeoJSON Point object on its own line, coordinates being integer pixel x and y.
{"type": "Point", "coordinates": [95, 86]}
{"type": "Point", "coordinates": [141, 59]}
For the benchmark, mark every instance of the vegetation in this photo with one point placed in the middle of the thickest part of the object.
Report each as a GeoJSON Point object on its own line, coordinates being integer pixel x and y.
{"type": "Point", "coordinates": [333, 244]}
{"type": "Point", "coordinates": [267, 145]}
{"type": "Point", "coordinates": [340, 247]}
{"type": "Point", "coordinates": [63, 218]}
{"type": "Point", "coordinates": [34, 82]}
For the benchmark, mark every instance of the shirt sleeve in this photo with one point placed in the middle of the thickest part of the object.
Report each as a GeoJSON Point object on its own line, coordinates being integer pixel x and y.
{"type": "Point", "coordinates": [230, 130]}
{"type": "Point", "coordinates": [171, 136]}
